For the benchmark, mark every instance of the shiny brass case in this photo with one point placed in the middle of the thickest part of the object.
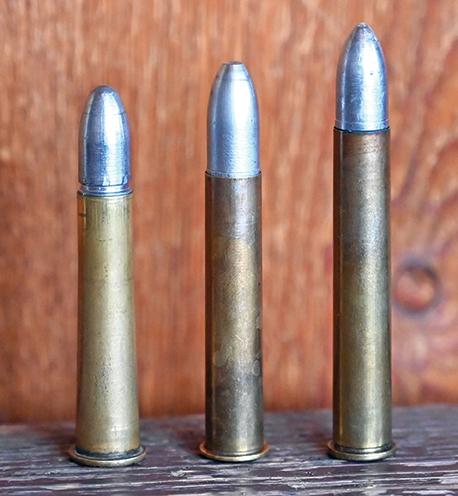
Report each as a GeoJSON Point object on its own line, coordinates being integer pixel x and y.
{"type": "Point", "coordinates": [107, 422]}
{"type": "Point", "coordinates": [362, 315]}
{"type": "Point", "coordinates": [234, 393]}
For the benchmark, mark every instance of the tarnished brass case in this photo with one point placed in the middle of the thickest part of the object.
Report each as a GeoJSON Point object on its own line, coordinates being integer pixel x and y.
{"type": "Point", "coordinates": [107, 422]}
{"type": "Point", "coordinates": [362, 315]}
{"type": "Point", "coordinates": [234, 394]}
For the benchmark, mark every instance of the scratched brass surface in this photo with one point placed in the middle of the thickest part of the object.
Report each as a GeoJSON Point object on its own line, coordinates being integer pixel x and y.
{"type": "Point", "coordinates": [362, 357]}
{"type": "Point", "coordinates": [234, 390]}
{"type": "Point", "coordinates": [107, 423]}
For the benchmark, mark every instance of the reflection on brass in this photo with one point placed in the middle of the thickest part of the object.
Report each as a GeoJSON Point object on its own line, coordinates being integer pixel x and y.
{"type": "Point", "coordinates": [362, 362]}
{"type": "Point", "coordinates": [234, 396]}
{"type": "Point", "coordinates": [107, 424]}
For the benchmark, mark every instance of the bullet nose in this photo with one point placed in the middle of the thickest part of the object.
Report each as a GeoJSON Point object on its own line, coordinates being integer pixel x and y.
{"type": "Point", "coordinates": [233, 124]}
{"type": "Point", "coordinates": [362, 94]}
{"type": "Point", "coordinates": [104, 144]}
{"type": "Point", "coordinates": [234, 71]}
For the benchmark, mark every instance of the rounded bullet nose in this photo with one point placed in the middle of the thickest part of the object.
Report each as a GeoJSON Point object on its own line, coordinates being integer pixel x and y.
{"type": "Point", "coordinates": [104, 144]}
{"type": "Point", "coordinates": [362, 93]}
{"type": "Point", "coordinates": [104, 100]}
{"type": "Point", "coordinates": [233, 124]}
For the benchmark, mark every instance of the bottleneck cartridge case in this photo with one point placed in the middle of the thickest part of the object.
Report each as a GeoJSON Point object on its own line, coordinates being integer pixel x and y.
{"type": "Point", "coordinates": [362, 315]}
{"type": "Point", "coordinates": [107, 422]}
{"type": "Point", "coordinates": [233, 274]}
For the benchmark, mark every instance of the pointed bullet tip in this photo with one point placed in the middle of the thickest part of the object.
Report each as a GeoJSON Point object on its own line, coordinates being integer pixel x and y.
{"type": "Point", "coordinates": [361, 33]}
{"type": "Point", "coordinates": [362, 94]}
{"type": "Point", "coordinates": [104, 144]}
{"type": "Point", "coordinates": [363, 27]}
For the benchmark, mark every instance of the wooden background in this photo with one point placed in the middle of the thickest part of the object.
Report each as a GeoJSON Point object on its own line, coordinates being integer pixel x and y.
{"type": "Point", "coordinates": [162, 57]}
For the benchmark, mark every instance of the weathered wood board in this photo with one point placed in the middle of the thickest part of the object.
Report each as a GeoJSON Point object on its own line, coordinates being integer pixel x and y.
{"type": "Point", "coordinates": [33, 460]}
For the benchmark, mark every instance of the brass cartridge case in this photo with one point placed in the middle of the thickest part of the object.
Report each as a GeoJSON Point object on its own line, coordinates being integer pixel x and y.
{"type": "Point", "coordinates": [234, 392]}
{"type": "Point", "coordinates": [107, 423]}
{"type": "Point", "coordinates": [362, 316]}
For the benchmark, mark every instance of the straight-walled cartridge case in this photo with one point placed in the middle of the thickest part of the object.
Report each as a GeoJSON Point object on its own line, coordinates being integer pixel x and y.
{"type": "Point", "coordinates": [234, 392]}
{"type": "Point", "coordinates": [107, 424]}
{"type": "Point", "coordinates": [362, 361]}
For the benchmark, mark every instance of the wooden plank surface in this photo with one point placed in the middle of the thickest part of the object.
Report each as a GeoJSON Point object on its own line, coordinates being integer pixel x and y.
{"type": "Point", "coordinates": [33, 460]}
{"type": "Point", "coordinates": [162, 57]}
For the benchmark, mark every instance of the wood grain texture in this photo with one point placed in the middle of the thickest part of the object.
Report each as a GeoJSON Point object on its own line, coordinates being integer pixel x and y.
{"type": "Point", "coordinates": [162, 57]}
{"type": "Point", "coordinates": [33, 460]}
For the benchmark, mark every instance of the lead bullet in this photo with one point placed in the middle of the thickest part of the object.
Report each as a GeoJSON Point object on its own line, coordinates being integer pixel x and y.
{"type": "Point", "coordinates": [233, 277]}
{"type": "Point", "coordinates": [107, 421]}
{"type": "Point", "coordinates": [362, 322]}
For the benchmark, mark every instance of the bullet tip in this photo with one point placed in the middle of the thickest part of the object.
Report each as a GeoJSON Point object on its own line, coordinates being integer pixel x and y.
{"type": "Point", "coordinates": [362, 94]}
{"type": "Point", "coordinates": [233, 124]}
{"type": "Point", "coordinates": [104, 144]}
{"type": "Point", "coordinates": [233, 71]}
{"type": "Point", "coordinates": [104, 100]}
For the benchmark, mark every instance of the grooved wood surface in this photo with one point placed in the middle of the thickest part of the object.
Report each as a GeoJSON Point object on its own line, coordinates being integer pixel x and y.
{"type": "Point", "coordinates": [33, 460]}
{"type": "Point", "coordinates": [162, 57]}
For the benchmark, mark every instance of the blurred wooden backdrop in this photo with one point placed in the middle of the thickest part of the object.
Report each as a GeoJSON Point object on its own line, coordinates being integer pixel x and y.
{"type": "Point", "coordinates": [162, 56]}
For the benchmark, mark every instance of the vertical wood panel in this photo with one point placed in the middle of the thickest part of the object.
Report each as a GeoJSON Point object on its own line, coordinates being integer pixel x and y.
{"type": "Point", "coordinates": [162, 58]}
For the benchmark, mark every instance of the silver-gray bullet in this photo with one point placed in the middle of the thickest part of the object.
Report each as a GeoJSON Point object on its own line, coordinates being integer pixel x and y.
{"type": "Point", "coordinates": [362, 316]}
{"type": "Point", "coordinates": [362, 91]}
{"type": "Point", "coordinates": [233, 271]}
{"type": "Point", "coordinates": [233, 124]}
{"type": "Point", "coordinates": [107, 421]}
{"type": "Point", "coordinates": [104, 144]}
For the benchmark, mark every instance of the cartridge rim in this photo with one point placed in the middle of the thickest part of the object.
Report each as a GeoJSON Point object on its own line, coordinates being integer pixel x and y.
{"type": "Point", "coordinates": [233, 458]}
{"type": "Point", "coordinates": [103, 460]}
{"type": "Point", "coordinates": [361, 455]}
